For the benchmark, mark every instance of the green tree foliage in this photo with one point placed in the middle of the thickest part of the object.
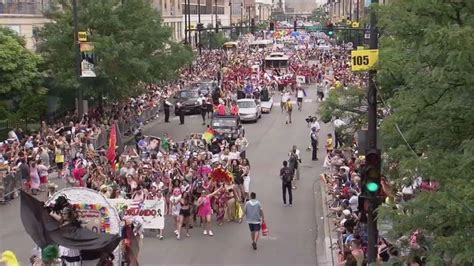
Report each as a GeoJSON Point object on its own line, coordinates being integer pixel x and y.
{"type": "Point", "coordinates": [319, 15]}
{"type": "Point", "coordinates": [18, 66]}
{"type": "Point", "coordinates": [426, 72]}
{"type": "Point", "coordinates": [425, 80]}
{"type": "Point", "coordinates": [131, 44]}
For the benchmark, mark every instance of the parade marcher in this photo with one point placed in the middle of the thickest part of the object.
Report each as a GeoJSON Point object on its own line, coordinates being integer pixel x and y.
{"type": "Point", "coordinates": [300, 94]}
{"type": "Point", "coordinates": [234, 109]}
{"type": "Point", "coordinates": [314, 144]}
{"type": "Point", "coordinates": [286, 176]}
{"type": "Point", "coordinates": [289, 111]}
{"type": "Point", "coordinates": [175, 202]}
{"type": "Point", "coordinates": [285, 96]}
{"type": "Point", "coordinates": [184, 214]}
{"type": "Point", "coordinates": [255, 218]}
{"type": "Point", "coordinates": [205, 210]}
{"type": "Point", "coordinates": [167, 107]}
{"type": "Point", "coordinates": [242, 144]}
{"type": "Point", "coordinates": [180, 112]}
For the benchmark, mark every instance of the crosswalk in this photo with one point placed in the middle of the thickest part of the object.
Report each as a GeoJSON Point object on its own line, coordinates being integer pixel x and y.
{"type": "Point", "coordinates": [294, 102]}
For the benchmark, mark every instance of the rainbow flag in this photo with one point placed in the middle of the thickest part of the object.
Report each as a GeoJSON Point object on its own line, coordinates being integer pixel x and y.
{"type": "Point", "coordinates": [208, 135]}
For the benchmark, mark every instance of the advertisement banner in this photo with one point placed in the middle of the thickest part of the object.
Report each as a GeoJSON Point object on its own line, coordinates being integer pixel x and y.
{"type": "Point", "coordinates": [151, 211]}
{"type": "Point", "coordinates": [87, 60]}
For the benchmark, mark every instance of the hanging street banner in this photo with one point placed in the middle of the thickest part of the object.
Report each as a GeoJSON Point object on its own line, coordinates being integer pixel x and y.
{"type": "Point", "coordinates": [363, 60]}
{"type": "Point", "coordinates": [87, 60]}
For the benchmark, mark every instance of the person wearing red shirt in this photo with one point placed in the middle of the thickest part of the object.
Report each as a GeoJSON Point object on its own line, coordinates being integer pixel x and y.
{"type": "Point", "coordinates": [221, 108]}
{"type": "Point", "coordinates": [234, 109]}
{"type": "Point", "coordinates": [79, 172]}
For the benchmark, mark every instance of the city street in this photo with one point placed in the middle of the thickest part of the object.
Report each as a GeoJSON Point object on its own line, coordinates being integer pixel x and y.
{"type": "Point", "coordinates": [297, 234]}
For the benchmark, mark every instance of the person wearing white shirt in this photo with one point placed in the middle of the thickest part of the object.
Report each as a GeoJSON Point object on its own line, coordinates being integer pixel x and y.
{"type": "Point", "coordinates": [338, 124]}
{"type": "Point", "coordinates": [314, 124]}
{"type": "Point", "coordinates": [300, 94]}
{"type": "Point", "coordinates": [284, 98]}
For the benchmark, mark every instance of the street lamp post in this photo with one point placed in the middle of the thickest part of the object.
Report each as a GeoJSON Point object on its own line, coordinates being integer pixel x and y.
{"type": "Point", "coordinates": [80, 104]}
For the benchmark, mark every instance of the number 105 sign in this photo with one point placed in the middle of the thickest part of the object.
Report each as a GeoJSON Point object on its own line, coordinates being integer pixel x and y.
{"type": "Point", "coordinates": [363, 60]}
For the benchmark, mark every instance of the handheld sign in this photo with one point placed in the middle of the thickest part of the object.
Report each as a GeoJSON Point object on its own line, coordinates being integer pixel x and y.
{"type": "Point", "coordinates": [363, 60]}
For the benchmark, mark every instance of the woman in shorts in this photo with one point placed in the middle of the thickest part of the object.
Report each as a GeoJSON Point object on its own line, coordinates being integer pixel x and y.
{"type": "Point", "coordinates": [184, 214]}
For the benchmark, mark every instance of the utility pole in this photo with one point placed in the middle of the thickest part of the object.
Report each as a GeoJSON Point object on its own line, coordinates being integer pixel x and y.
{"type": "Point", "coordinates": [185, 21]}
{"type": "Point", "coordinates": [230, 13]}
{"type": "Point", "coordinates": [189, 22]}
{"type": "Point", "coordinates": [372, 139]}
{"type": "Point", "coordinates": [199, 30]}
{"type": "Point", "coordinates": [80, 104]}
{"type": "Point", "coordinates": [215, 11]}
{"type": "Point", "coordinates": [350, 10]}
{"type": "Point", "coordinates": [241, 16]}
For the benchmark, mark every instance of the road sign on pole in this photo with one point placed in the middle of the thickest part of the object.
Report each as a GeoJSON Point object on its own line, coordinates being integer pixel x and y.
{"type": "Point", "coordinates": [363, 60]}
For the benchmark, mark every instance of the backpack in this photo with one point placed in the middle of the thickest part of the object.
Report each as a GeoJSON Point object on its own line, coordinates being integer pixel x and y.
{"type": "Point", "coordinates": [286, 175]}
{"type": "Point", "coordinates": [289, 106]}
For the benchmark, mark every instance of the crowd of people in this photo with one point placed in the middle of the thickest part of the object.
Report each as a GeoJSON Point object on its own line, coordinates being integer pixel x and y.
{"type": "Point", "coordinates": [348, 213]}
{"type": "Point", "coordinates": [185, 173]}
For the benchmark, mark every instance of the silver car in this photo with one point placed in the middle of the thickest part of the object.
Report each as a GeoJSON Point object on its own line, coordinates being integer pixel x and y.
{"type": "Point", "coordinates": [249, 110]}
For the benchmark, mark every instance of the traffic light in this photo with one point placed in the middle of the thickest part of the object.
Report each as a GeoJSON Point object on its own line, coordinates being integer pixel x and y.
{"type": "Point", "coordinates": [200, 26]}
{"type": "Point", "coordinates": [330, 29]}
{"type": "Point", "coordinates": [371, 175]}
{"type": "Point", "coordinates": [295, 25]}
{"type": "Point", "coordinates": [252, 25]}
{"type": "Point", "coordinates": [272, 26]}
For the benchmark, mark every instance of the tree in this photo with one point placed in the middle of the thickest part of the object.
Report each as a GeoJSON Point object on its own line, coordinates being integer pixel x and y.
{"type": "Point", "coordinates": [425, 86]}
{"type": "Point", "coordinates": [426, 68]}
{"type": "Point", "coordinates": [319, 15]}
{"type": "Point", "coordinates": [132, 47]}
{"type": "Point", "coordinates": [19, 67]}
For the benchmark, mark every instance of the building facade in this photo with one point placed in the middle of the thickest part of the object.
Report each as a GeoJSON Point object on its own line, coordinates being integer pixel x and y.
{"type": "Point", "coordinates": [23, 17]}
{"type": "Point", "coordinates": [171, 11]}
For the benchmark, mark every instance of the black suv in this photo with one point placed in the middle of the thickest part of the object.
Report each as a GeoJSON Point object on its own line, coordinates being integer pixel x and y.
{"type": "Point", "coordinates": [188, 100]}
{"type": "Point", "coordinates": [227, 126]}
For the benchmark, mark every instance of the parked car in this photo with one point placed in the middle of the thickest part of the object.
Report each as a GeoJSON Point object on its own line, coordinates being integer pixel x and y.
{"type": "Point", "coordinates": [249, 110]}
{"type": "Point", "coordinates": [188, 100]}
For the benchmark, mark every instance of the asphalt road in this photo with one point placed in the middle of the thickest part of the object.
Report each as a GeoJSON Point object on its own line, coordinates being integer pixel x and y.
{"type": "Point", "coordinates": [298, 234]}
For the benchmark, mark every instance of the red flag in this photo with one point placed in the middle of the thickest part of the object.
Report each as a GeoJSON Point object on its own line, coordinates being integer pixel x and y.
{"type": "Point", "coordinates": [112, 146]}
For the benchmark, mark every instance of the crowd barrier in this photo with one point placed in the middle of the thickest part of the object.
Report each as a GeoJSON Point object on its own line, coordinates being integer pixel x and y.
{"type": "Point", "coordinates": [12, 181]}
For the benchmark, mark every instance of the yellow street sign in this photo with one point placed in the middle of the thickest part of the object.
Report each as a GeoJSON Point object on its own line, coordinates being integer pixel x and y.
{"type": "Point", "coordinates": [363, 60]}
{"type": "Point", "coordinates": [355, 24]}
{"type": "Point", "coordinates": [82, 36]}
